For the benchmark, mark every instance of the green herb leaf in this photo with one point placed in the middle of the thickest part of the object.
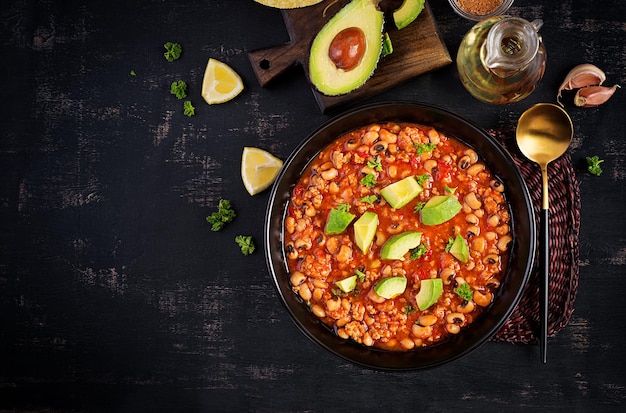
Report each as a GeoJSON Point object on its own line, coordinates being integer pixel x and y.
{"type": "Point", "coordinates": [188, 108]}
{"type": "Point", "coordinates": [421, 148]}
{"type": "Point", "coordinates": [369, 180]}
{"type": "Point", "coordinates": [132, 73]}
{"type": "Point", "coordinates": [375, 164]}
{"type": "Point", "coordinates": [179, 89]}
{"type": "Point", "coordinates": [360, 274]}
{"type": "Point", "coordinates": [224, 215]}
{"type": "Point", "coordinates": [449, 245]}
{"type": "Point", "coordinates": [245, 243]}
{"type": "Point", "coordinates": [593, 165]}
{"type": "Point", "coordinates": [464, 291]}
{"type": "Point", "coordinates": [172, 51]}
{"type": "Point", "coordinates": [421, 179]}
{"type": "Point", "coordinates": [418, 251]}
{"type": "Point", "coordinates": [369, 199]}
{"type": "Point", "coordinates": [408, 309]}
{"type": "Point", "coordinates": [418, 206]}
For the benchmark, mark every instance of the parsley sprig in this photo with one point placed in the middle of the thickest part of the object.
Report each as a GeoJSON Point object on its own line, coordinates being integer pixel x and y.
{"type": "Point", "coordinates": [225, 214]}
{"type": "Point", "coordinates": [593, 165]}
{"type": "Point", "coordinates": [179, 89]}
{"type": "Point", "coordinates": [172, 51]}
{"type": "Point", "coordinates": [246, 244]}
{"type": "Point", "coordinates": [464, 291]}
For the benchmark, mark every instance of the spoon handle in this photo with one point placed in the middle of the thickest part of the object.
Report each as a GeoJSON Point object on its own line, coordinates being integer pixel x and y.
{"type": "Point", "coordinates": [544, 285]}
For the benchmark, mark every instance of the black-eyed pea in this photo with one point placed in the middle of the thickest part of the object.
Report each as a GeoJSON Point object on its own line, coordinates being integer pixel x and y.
{"type": "Point", "coordinates": [491, 259]}
{"type": "Point", "coordinates": [318, 310]}
{"type": "Point", "coordinates": [320, 284]}
{"type": "Point", "coordinates": [482, 299]}
{"type": "Point", "coordinates": [374, 128]}
{"type": "Point", "coordinates": [503, 242]}
{"type": "Point", "coordinates": [496, 185]}
{"type": "Point", "coordinates": [395, 228]}
{"type": "Point", "coordinates": [455, 318]}
{"type": "Point", "coordinates": [420, 331]}
{"type": "Point", "coordinates": [473, 230]}
{"type": "Point", "coordinates": [478, 244]}
{"type": "Point", "coordinates": [490, 235]}
{"type": "Point", "coordinates": [464, 163]}
{"type": "Point", "coordinates": [333, 305]}
{"type": "Point", "coordinates": [407, 343]}
{"type": "Point", "coordinates": [472, 155]}
{"type": "Point", "coordinates": [472, 219]}
{"type": "Point", "coordinates": [475, 169]}
{"type": "Point", "coordinates": [430, 165]}
{"type": "Point", "coordinates": [466, 307]}
{"type": "Point", "coordinates": [305, 292]}
{"type": "Point", "coordinates": [346, 304]}
{"type": "Point", "coordinates": [480, 212]}
{"type": "Point", "coordinates": [392, 149]}
{"type": "Point", "coordinates": [290, 224]}
{"type": "Point", "coordinates": [375, 297]}
{"type": "Point", "coordinates": [297, 278]}
{"type": "Point", "coordinates": [370, 137]}
{"type": "Point", "coordinates": [342, 333]}
{"type": "Point", "coordinates": [433, 136]}
{"type": "Point", "coordinates": [337, 158]}
{"type": "Point", "coordinates": [303, 244]}
{"type": "Point", "coordinates": [493, 220]}
{"type": "Point", "coordinates": [318, 293]}
{"type": "Point", "coordinates": [334, 187]}
{"type": "Point", "coordinates": [453, 328]}
{"type": "Point", "coordinates": [378, 148]}
{"type": "Point", "coordinates": [387, 136]}
{"type": "Point", "coordinates": [292, 252]}
{"type": "Point", "coordinates": [503, 229]}
{"type": "Point", "coordinates": [344, 254]}
{"type": "Point", "coordinates": [367, 339]}
{"type": "Point", "coordinates": [392, 171]}
{"type": "Point", "coordinates": [472, 201]}
{"type": "Point", "coordinates": [386, 272]}
{"type": "Point", "coordinates": [330, 174]}
{"type": "Point", "coordinates": [301, 224]}
{"type": "Point", "coordinates": [427, 320]}
{"type": "Point", "coordinates": [447, 275]}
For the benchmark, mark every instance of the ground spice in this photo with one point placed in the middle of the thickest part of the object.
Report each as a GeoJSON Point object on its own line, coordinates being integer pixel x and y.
{"type": "Point", "coordinates": [479, 7]}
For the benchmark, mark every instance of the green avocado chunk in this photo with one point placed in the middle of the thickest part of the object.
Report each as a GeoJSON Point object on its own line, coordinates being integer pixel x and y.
{"type": "Point", "coordinates": [429, 293]}
{"type": "Point", "coordinates": [345, 52]}
{"type": "Point", "coordinates": [365, 230]}
{"type": "Point", "coordinates": [338, 220]}
{"type": "Point", "coordinates": [390, 287]}
{"type": "Point", "coordinates": [407, 12]}
{"type": "Point", "coordinates": [400, 193]}
{"type": "Point", "coordinates": [459, 249]}
{"type": "Point", "coordinates": [347, 284]}
{"type": "Point", "coordinates": [440, 209]}
{"type": "Point", "coordinates": [398, 245]}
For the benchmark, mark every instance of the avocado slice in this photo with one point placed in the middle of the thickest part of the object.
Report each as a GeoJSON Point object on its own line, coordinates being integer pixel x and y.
{"type": "Point", "coordinates": [338, 219]}
{"type": "Point", "coordinates": [347, 284]}
{"type": "Point", "coordinates": [390, 287]}
{"type": "Point", "coordinates": [429, 293]}
{"type": "Point", "coordinates": [345, 52]}
{"type": "Point", "coordinates": [459, 249]}
{"type": "Point", "coordinates": [439, 209]}
{"type": "Point", "coordinates": [407, 12]}
{"type": "Point", "coordinates": [365, 230]}
{"type": "Point", "coordinates": [398, 245]}
{"type": "Point", "coordinates": [400, 193]}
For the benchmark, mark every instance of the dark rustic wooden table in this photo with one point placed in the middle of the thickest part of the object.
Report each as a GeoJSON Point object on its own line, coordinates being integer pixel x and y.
{"type": "Point", "coordinates": [116, 296]}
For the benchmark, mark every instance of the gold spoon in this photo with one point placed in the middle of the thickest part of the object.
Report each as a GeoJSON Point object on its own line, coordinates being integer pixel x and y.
{"type": "Point", "coordinates": [544, 132]}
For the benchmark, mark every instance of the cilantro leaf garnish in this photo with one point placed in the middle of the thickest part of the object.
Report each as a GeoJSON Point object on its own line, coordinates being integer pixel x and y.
{"type": "Point", "coordinates": [224, 215]}
{"type": "Point", "coordinates": [421, 148]}
{"type": "Point", "coordinates": [593, 165]}
{"type": "Point", "coordinates": [369, 180]}
{"type": "Point", "coordinates": [418, 251]}
{"type": "Point", "coordinates": [179, 89]}
{"type": "Point", "coordinates": [375, 164]}
{"type": "Point", "coordinates": [245, 243]}
{"type": "Point", "coordinates": [369, 199]}
{"type": "Point", "coordinates": [464, 291]}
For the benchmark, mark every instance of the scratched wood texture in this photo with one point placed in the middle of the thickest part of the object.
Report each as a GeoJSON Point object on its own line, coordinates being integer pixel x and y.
{"type": "Point", "coordinates": [116, 296]}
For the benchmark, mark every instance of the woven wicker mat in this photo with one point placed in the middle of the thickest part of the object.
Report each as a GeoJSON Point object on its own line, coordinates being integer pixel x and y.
{"type": "Point", "coordinates": [522, 325]}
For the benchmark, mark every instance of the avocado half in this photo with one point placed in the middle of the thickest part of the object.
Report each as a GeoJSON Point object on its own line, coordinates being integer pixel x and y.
{"type": "Point", "coordinates": [324, 73]}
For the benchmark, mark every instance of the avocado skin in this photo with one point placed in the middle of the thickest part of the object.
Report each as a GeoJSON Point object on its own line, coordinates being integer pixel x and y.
{"type": "Point", "coordinates": [325, 76]}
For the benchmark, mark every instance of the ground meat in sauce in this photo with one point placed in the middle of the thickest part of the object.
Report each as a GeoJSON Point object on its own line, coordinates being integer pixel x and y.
{"type": "Point", "coordinates": [391, 152]}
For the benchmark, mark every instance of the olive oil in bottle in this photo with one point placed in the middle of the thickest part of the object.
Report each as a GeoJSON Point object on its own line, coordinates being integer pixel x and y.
{"type": "Point", "coordinates": [501, 59]}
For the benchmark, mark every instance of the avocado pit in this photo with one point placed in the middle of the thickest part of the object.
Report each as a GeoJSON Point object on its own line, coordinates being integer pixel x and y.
{"type": "Point", "coordinates": [347, 48]}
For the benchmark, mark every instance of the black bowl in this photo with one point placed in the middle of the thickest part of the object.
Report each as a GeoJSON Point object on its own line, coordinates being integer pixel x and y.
{"type": "Point", "coordinates": [522, 249]}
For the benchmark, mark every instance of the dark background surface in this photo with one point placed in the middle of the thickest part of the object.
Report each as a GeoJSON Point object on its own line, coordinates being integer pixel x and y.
{"type": "Point", "coordinates": [116, 296]}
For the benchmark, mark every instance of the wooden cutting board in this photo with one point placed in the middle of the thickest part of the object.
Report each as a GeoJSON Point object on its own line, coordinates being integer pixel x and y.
{"type": "Point", "coordinates": [418, 48]}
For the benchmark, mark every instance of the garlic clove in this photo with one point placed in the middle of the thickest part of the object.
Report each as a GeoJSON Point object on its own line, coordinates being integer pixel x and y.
{"type": "Point", "coordinates": [590, 96]}
{"type": "Point", "coordinates": [581, 76]}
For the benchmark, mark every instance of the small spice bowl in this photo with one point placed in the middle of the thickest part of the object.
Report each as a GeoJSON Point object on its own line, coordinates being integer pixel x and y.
{"type": "Point", "coordinates": [478, 10]}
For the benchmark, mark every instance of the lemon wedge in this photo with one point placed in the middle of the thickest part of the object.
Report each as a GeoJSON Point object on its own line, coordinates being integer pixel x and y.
{"type": "Point", "coordinates": [259, 169]}
{"type": "Point", "coordinates": [220, 83]}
